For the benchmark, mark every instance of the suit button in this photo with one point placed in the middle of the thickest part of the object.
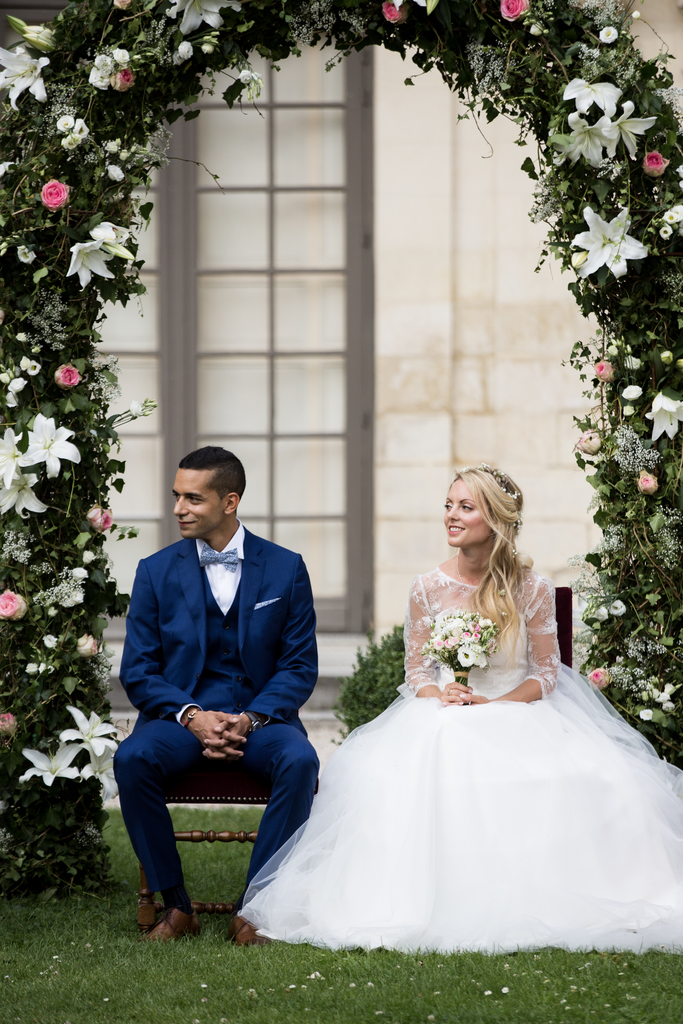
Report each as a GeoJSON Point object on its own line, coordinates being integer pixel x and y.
{"type": "Point", "coordinates": [237, 704]}
{"type": "Point", "coordinates": [226, 627]}
{"type": "Point", "coordinates": [238, 678]}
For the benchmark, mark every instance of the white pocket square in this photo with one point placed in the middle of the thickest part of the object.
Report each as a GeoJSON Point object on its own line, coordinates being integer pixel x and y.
{"type": "Point", "coordinates": [262, 604]}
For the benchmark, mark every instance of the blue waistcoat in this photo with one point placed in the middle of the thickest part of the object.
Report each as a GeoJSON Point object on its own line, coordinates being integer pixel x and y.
{"type": "Point", "coordinates": [223, 675]}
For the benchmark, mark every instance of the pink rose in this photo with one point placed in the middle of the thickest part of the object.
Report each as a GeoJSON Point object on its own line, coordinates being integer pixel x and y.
{"type": "Point", "coordinates": [589, 443]}
{"type": "Point", "coordinates": [511, 10]}
{"type": "Point", "coordinates": [604, 370]}
{"type": "Point", "coordinates": [12, 606]}
{"type": "Point", "coordinates": [123, 5]}
{"type": "Point", "coordinates": [450, 642]}
{"type": "Point", "coordinates": [647, 483]}
{"type": "Point", "coordinates": [86, 646]}
{"type": "Point", "coordinates": [396, 15]}
{"type": "Point", "coordinates": [67, 376]}
{"type": "Point", "coordinates": [438, 644]}
{"type": "Point", "coordinates": [8, 724]}
{"type": "Point", "coordinates": [100, 519]}
{"type": "Point", "coordinates": [654, 164]}
{"type": "Point", "coordinates": [122, 80]}
{"type": "Point", "coordinates": [599, 677]}
{"type": "Point", "coordinates": [55, 194]}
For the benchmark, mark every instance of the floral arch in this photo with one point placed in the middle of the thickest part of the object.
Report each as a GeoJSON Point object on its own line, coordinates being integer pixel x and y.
{"type": "Point", "coordinates": [88, 99]}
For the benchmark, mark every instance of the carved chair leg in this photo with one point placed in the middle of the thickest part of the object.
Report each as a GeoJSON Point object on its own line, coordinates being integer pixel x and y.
{"type": "Point", "coordinates": [147, 907]}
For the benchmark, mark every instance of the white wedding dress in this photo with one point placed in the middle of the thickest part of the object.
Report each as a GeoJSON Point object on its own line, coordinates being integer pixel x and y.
{"type": "Point", "coordinates": [489, 827]}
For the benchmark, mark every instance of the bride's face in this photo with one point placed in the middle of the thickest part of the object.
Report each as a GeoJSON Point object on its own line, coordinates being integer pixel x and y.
{"type": "Point", "coordinates": [464, 523]}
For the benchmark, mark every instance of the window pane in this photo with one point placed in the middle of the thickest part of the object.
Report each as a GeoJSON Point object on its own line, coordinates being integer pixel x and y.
{"type": "Point", "coordinates": [309, 147]}
{"type": "Point", "coordinates": [310, 313]}
{"type": "Point", "coordinates": [310, 395]}
{"type": "Point", "coordinates": [127, 553]}
{"type": "Point", "coordinates": [304, 79]}
{"type": "Point", "coordinates": [260, 527]}
{"type": "Point", "coordinates": [232, 230]}
{"type": "Point", "coordinates": [132, 328]}
{"type": "Point", "coordinates": [323, 547]}
{"type": "Point", "coordinates": [141, 497]}
{"type": "Point", "coordinates": [138, 379]}
{"type": "Point", "coordinates": [309, 230]}
{"type": "Point", "coordinates": [310, 478]}
{"type": "Point", "coordinates": [232, 396]}
{"type": "Point", "coordinates": [148, 244]}
{"type": "Point", "coordinates": [254, 457]}
{"type": "Point", "coordinates": [232, 144]}
{"type": "Point", "coordinates": [232, 314]}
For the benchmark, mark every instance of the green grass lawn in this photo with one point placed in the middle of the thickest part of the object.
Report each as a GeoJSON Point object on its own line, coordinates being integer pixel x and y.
{"type": "Point", "coordinates": [78, 961]}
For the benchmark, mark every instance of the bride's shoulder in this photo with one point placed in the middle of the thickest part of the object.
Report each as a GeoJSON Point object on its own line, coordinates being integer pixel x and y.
{"type": "Point", "coordinates": [535, 591]}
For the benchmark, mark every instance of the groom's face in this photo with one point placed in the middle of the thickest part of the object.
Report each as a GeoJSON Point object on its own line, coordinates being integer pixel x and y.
{"type": "Point", "coordinates": [199, 509]}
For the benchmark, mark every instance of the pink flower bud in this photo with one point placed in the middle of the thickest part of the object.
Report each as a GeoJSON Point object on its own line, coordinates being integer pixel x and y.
{"type": "Point", "coordinates": [589, 443]}
{"type": "Point", "coordinates": [599, 677]}
{"type": "Point", "coordinates": [604, 370]}
{"type": "Point", "coordinates": [8, 724]}
{"type": "Point", "coordinates": [511, 10]}
{"type": "Point", "coordinates": [438, 644]}
{"type": "Point", "coordinates": [86, 646]}
{"type": "Point", "coordinates": [67, 376]}
{"type": "Point", "coordinates": [654, 164]}
{"type": "Point", "coordinates": [647, 483]}
{"type": "Point", "coordinates": [122, 80]}
{"type": "Point", "coordinates": [396, 15]}
{"type": "Point", "coordinates": [12, 606]}
{"type": "Point", "coordinates": [54, 194]}
{"type": "Point", "coordinates": [100, 519]}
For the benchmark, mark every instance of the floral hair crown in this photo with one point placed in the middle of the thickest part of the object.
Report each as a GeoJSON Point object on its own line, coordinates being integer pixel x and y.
{"type": "Point", "coordinates": [503, 481]}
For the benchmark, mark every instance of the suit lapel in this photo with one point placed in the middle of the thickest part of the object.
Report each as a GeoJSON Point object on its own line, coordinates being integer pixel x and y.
{"type": "Point", "coordinates": [252, 573]}
{"type": "Point", "coordinates": [192, 584]}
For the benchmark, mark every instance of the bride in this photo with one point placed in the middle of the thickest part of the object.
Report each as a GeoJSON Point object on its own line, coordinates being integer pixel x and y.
{"type": "Point", "coordinates": [517, 812]}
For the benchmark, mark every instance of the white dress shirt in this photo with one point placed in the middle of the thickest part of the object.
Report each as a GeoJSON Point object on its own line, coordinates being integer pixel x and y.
{"type": "Point", "coordinates": [223, 583]}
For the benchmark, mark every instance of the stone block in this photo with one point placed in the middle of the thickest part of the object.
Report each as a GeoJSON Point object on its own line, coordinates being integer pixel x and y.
{"type": "Point", "coordinates": [474, 439]}
{"type": "Point", "coordinates": [403, 546]}
{"type": "Point", "coordinates": [410, 385]}
{"type": "Point", "coordinates": [469, 385]}
{"type": "Point", "coordinates": [414, 440]}
{"type": "Point", "coordinates": [391, 600]}
{"type": "Point", "coordinates": [410, 327]}
{"type": "Point", "coordinates": [410, 492]}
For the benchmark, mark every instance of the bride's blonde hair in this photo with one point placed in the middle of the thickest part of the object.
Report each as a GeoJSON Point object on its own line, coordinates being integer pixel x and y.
{"type": "Point", "coordinates": [500, 502]}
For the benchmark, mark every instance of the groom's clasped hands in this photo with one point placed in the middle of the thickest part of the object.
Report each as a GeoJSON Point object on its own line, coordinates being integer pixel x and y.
{"type": "Point", "coordinates": [222, 735]}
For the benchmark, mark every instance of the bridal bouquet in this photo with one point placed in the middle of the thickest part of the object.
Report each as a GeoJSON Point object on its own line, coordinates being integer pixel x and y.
{"type": "Point", "coordinates": [462, 640]}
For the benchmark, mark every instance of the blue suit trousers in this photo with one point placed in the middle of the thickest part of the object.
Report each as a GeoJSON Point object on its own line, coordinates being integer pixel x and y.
{"type": "Point", "coordinates": [155, 750]}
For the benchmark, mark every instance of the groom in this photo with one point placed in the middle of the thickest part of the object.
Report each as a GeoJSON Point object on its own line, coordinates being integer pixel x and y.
{"type": "Point", "coordinates": [220, 654]}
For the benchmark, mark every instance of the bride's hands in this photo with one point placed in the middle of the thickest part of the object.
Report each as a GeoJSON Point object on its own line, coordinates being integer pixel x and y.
{"type": "Point", "coordinates": [456, 693]}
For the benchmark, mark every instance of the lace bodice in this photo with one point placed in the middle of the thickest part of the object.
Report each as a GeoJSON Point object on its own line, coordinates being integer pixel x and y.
{"type": "Point", "coordinates": [537, 655]}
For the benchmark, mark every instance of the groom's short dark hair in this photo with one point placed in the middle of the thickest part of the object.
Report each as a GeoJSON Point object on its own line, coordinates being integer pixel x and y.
{"type": "Point", "coordinates": [228, 477]}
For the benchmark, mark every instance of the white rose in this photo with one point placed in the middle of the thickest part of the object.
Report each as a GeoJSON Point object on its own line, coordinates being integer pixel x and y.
{"type": "Point", "coordinates": [18, 384]}
{"type": "Point", "coordinates": [79, 574]}
{"type": "Point", "coordinates": [632, 391]}
{"type": "Point", "coordinates": [88, 557]}
{"type": "Point", "coordinates": [65, 124]}
{"type": "Point", "coordinates": [99, 79]}
{"type": "Point", "coordinates": [609, 35]}
{"type": "Point", "coordinates": [121, 56]}
{"type": "Point", "coordinates": [246, 76]}
{"type": "Point", "coordinates": [24, 255]}
{"type": "Point", "coordinates": [185, 50]}
{"type": "Point", "coordinates": [32, 669]}
{"type": "Point", "coordinates": [668, 706]}
{"type": "Point", "coordinates": [617, 608]}
{"type": "Point", "coordinates": [601, 613]}
{"type": "Point", "coordinates": [50, 641]}
{"type": "Point", "coordinates": [136, 409]}
{"type": "Point", "coordinates": [628, 410]}
{"type": "Point", "coordinates": [71, 141]}
{"type": "Point", "coordinates": [113, 146]}
{"type": "Point", "coordinates": [80, 129]}
{"type": "Point", "coordinates": [646, 714]}
{"type": "Point", "coordinates": [115, 172]}
{"type": "Point", "coordinates": [86, 646]}
{"type": "Point", "coordinates": [208, 48]}
{"type": "Point", "coordinates": [631, 363]}
{"type": "Point", "coordinates": [5, 378]}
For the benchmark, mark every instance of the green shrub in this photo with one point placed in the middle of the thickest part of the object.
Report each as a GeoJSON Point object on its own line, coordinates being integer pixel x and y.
{"type": "Point", "coordinates": [372, 687]}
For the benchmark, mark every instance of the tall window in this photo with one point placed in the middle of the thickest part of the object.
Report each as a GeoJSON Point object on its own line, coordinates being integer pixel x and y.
{"type": "Point", "coordinates": [256, 331]}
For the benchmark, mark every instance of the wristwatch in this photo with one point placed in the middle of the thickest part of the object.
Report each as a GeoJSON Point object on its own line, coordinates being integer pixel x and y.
{"type": "Point", "coordinates": [256, 722]}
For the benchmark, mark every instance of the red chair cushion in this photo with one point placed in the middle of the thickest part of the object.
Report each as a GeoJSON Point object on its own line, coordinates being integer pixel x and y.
{"type": "Point", "coordinates": [564, 613]}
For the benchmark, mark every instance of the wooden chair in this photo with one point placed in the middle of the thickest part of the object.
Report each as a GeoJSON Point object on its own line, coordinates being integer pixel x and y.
{"type": "Point", "coordinates": [229, 783]}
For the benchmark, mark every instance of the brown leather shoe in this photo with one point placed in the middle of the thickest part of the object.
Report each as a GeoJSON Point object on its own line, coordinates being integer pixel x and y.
{"type": "Point", "coordinates": [171, 925]}
{"type": "Point", "coordinates": [243, 933]}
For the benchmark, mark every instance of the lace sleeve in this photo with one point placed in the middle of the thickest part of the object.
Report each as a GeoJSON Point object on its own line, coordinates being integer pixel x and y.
{"type": "Point", "coordinates": [541, 624]}
{"type": "Point", "coordinates": [419, 671]}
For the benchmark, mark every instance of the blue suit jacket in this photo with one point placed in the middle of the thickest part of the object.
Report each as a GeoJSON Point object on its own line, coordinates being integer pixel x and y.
{"type": "Point", "coordinates": [165, 647]}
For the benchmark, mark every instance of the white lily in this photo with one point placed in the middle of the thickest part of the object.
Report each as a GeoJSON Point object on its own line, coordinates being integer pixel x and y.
{"type": "Point", "coordinates": [197, 11]}
{"type": "Point", "coordinates": [666, 414]}
{"type": "Point", "coordinates": [22, 72]}
{"type": "Point", "coordinates": [90, 732]}
{"type": "Point", "coordinates": [51, 766]}
{"type": "Point", "coordinates": [112, 238]}
{"type": "Point", "coordinates": [587, 93]}
{"type": "Point", "coordinates": [37, 36]}
{"type": "Point", "coordinates": [19, 495]}
{"type": "Point", "coordinates": [587, 140]}
{"type": "Point", "coordinates": [608, 244]}
{"type": "Point", "coordinates": [626, 128]}
{"type": "Point", "coordinates": [5, 165]}
{"type": "Point", "coordinates": [11, 459]}
{"type": "Point", "coordinates": [87, 259]}
{"type": "Point", "coordinates": [102, 768]}
{"type": "Point", "coordinates": [48, 443]}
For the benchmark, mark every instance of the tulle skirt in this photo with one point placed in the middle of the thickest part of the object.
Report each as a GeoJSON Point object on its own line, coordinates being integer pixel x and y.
{"type": "Point", "coordinates": [489, 827]}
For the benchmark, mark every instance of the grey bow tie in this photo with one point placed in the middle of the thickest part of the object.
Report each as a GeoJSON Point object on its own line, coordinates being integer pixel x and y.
{"type": "Point", "coordinates": [229, 559]}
